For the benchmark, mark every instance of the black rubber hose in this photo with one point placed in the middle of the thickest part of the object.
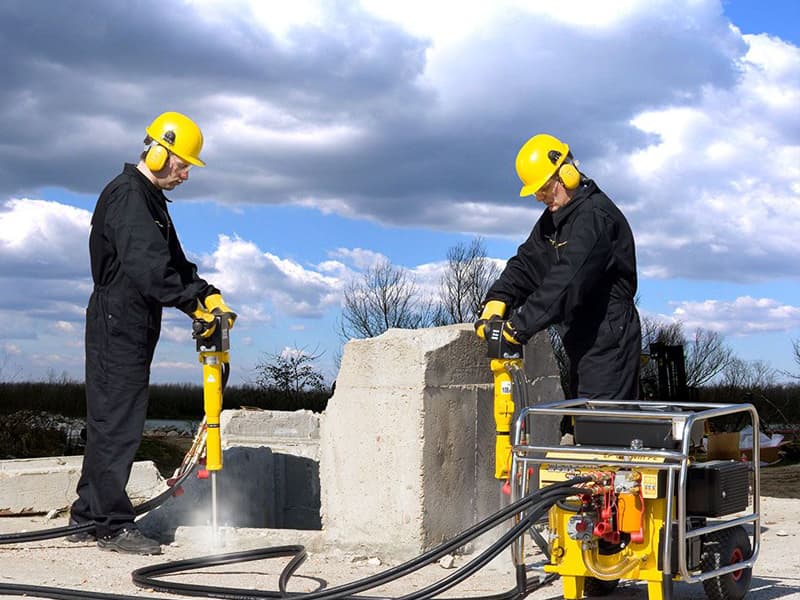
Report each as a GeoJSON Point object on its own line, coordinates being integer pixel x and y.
{"type": "Point", "coordinates": [483, 558]}
{"type": "Point", "coordinates": [144, 577]}
{"type": "Point", "coordinates": [343, 592]}
{"type": "Point", "coordinates": [36, 591]}
{"type": "Point", "coordinates": [540, 500]}
{"type": "Point", "coordinates": [226, 372]}
{"type": "Point", "coordinates": [567, 507]}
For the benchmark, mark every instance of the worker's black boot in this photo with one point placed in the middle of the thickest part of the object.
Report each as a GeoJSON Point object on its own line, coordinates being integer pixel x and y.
{"type": "Point", "coordinates": [129, 541]}
{"type": "Point", "coordinates": [81, 536]}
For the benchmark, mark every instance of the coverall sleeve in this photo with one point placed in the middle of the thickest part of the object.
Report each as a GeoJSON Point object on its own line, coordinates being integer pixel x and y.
{"type": "Point", "coordinates": [145, 257]}
{"type": "Point", "coordinates": [188, 270]}
{"type": "Point", "coordinates": [568, 284]}
{"type": "Point", "coordinates": [522, 274]}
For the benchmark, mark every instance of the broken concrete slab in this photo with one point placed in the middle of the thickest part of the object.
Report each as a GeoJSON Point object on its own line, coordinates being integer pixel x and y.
{"type": "Point", "coordinates": [39, 485]}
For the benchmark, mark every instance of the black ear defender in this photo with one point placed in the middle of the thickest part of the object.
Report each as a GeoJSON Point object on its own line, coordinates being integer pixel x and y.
{"type": "Point", "coordinates": [567, 173]}
{"type": "Point", "coordinates": [157, 155]}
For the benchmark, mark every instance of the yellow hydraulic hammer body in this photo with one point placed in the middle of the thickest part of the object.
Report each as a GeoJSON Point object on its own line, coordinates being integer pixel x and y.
{"type": "Point", "coordinates": [213, 365]}
{"type": "Point", "coordinates": [212, 351]}
{"type": "Point", "coordinates": [213, 343]}
{"type": "Point", "coordinates": [503, 414]}
{"type": "Point", "coordinates": [503, 356]}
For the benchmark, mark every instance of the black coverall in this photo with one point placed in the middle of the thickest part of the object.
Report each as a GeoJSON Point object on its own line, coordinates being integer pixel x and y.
{"type": "Point", "coordinates": [577, 271]}
{"type": "Point", "coordinates": [138, 267]}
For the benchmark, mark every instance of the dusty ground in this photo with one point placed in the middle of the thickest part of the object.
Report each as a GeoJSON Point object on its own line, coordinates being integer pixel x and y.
{"type": "Point", "coordinates": [56, 563]}
{"type": "Point", "coordinates": [781, 481]}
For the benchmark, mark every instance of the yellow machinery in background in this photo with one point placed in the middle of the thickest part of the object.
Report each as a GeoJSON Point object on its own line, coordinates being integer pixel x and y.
{"type": "Point", "coordinates": [655, 508]}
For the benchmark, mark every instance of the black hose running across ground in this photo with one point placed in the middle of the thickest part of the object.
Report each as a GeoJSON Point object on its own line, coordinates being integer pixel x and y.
{"type": "Point", "coordinates": [527, 510]}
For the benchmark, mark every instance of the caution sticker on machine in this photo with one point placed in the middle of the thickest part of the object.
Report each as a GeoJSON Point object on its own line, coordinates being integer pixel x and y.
{"type": "Point", "coordinates": [606, 457]}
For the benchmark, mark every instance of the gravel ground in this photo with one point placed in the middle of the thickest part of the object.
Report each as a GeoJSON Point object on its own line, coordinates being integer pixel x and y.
{"type": "Point", "coordinates": [57, 563]}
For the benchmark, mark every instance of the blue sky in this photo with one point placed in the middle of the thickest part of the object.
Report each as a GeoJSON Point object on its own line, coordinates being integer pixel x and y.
{"type": "Point", "coordinates": [341, 133]}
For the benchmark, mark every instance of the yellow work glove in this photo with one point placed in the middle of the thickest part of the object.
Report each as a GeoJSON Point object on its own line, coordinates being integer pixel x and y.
{"type": "Point", "coordinates": [204, 323]}
{"type": "Point", "coordinates": [216, 305]}
{"type": "Point", "coordinates": [493, 308]}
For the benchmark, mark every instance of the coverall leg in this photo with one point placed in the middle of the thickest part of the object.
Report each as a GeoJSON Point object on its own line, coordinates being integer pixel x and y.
{"type": "Point", "coordinates": [120, 342]}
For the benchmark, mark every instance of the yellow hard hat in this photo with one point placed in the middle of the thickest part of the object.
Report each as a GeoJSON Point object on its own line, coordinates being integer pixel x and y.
{"type": "Point", "coordinates": [178, 134]}
{"type": "Point", "coordinates": [537, 161]}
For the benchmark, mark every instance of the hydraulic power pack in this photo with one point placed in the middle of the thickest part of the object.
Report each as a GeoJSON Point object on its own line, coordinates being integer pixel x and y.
{"type": "Point", "coordinates": [654, 507]}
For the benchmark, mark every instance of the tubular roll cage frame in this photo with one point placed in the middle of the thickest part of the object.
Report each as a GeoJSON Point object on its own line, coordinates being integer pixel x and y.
{"type": "Point", "coordinates": [675, 462]}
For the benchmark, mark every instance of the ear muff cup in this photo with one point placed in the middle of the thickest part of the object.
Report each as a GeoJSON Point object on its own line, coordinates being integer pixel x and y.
{"type": "Point", "coordinates": [569, 176]}
{"type": "Point", "coordinates": [156, 158]}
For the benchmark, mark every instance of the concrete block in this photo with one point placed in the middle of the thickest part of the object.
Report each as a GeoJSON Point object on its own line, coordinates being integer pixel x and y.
{"type": "Point", "coordinates": [38, 485]}
{"type": "Point", "coordinates": [293, 439]}
{"type": "Point", "coordinates": [295, 432]}
{"type": "Point", "coordinates": [402, 459]}
{"type": "Point", "coordinates": [407, 440]}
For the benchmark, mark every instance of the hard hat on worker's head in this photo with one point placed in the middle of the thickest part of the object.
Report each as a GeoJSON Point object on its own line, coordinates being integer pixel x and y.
{"type": "Point", "coordinates": [178, 134]}
{"type": "Point", "coordinates": [539, 159]}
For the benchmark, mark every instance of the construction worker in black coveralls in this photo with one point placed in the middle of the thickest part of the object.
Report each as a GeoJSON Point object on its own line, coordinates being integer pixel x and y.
{"type": "Point", "coordinates": [577, 271]}
{"type": "Point", "coordinates": [138, 267]}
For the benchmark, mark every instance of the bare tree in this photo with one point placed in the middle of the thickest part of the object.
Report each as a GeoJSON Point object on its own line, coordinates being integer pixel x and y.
{"type": "Point", "coordinates": [8, 374]}
{"type": "Point", "coordinates": [741, 375]}
{"type": "Point", "coordinates": [660, 332]}
{"type": "Point", "coordinates": [796, 349]}
{"type": "Point", "coordinates": [706, 357]}
{"type": "Point", "coordinates": [385, 296]}
{"type": "Point", "coordinates": [464, 284]}
{"type": "Point", "coordinates": [291, 372]}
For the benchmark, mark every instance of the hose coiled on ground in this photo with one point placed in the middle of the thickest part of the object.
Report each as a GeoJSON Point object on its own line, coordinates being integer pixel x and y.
{"type": "Point", "coordinates": [531, 507]}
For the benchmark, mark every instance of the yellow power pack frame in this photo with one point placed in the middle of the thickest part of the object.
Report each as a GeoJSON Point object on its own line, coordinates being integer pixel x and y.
{"type": "Point", "coordinates": [656, 508]}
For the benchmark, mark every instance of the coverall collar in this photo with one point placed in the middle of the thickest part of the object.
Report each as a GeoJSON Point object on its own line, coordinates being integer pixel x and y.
{"type": "Point", "coordinates": [131, 169]}
{"type": "Point", "coordinates": [585, 189]}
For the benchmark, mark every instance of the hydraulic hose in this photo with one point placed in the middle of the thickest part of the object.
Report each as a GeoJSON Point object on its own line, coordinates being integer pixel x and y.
{"type": "Point", "coordinates": [536, 504]}
{"type": "Point", "coordinates": [590, 560]}
{"type": "Point", "coordinates": [522, 400]}
{"type": "Point", "coordinates": [485, 557]}
{"type": "Point", "coordinates": [145, 577]}
{"type": "Point", "coordinates": [530, 508]}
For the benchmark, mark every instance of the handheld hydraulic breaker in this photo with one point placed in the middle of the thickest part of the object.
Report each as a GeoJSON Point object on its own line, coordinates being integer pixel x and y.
{"type": "Point", "coordinates": [213, 355]}
{"type": "Point", "coordinates": [503, 356]}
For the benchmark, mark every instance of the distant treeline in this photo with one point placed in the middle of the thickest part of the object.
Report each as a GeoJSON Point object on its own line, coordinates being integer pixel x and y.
{"type": "Point", "coordinates": [776, 404]}
{"type": "Point", "coordinates": [167, 401]}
